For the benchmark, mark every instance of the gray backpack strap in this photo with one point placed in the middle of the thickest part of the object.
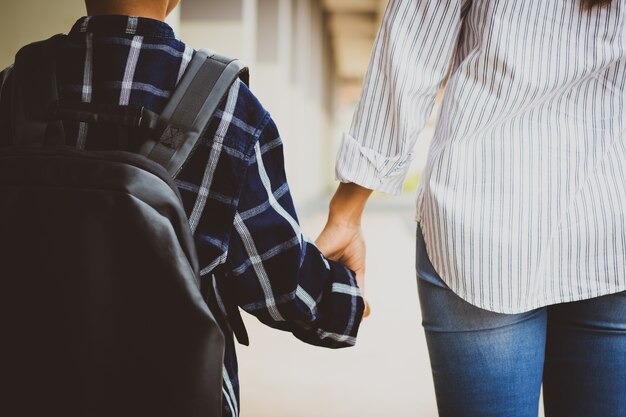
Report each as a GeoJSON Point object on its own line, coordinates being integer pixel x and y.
{"type": "Point", "coordinates": [33, 90]}
{"type": "Point", "coordinates": [190, 109]}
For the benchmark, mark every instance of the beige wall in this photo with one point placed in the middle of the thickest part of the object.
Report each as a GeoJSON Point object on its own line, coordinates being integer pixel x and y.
{"type": "Point", "coordinates": [25, 21]}
{"type": "Point", "coordinates": [284, 43]}
{"type": "Point", "coordinates": [213, 24]}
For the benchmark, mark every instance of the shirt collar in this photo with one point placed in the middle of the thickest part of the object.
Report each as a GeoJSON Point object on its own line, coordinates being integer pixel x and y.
{"type": "Point", "coordinates": [123, 25]}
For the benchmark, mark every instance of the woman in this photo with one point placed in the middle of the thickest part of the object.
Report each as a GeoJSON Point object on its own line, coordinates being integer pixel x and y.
{"type": "Point", "coordinates": [521, 243]}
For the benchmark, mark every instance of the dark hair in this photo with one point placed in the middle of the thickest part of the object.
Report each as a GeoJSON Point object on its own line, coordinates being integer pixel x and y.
{"type": "Point", "coordinates": [589, 4]}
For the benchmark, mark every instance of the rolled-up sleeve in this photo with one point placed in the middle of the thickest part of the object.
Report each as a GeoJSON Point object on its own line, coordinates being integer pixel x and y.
{"type": "Point", "coordinates": [411, 57]}
{"type": "Point", "coordinates": [278, 274]}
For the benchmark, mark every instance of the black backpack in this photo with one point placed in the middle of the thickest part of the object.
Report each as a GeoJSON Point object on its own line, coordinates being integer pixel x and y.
{"type": "Point", "coordinates": [101, 312]}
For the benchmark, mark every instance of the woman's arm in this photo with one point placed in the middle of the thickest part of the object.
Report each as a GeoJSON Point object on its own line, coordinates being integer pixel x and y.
{"type": "Point", "coordinates": [411, 57]}
{"type": "Point", "coordinates": [342, 238]}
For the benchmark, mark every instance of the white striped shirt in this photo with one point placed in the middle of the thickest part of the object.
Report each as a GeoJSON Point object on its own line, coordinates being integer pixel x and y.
{"type": "Point", "coordinates": [523, 198]}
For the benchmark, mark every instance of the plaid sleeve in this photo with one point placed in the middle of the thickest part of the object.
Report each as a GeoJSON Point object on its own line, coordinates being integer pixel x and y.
{"type": "Point", "coordinates": [280, 276]}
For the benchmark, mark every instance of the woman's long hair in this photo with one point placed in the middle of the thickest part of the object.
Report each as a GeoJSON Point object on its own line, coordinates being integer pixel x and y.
{"type": "Point", "coordinates": [588, 4]}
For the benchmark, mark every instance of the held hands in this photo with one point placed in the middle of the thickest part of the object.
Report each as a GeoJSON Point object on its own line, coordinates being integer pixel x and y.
{"type": "Point", "coordinates": [345, 244]}
{"type": "Point", "coordinates": [342, 237]}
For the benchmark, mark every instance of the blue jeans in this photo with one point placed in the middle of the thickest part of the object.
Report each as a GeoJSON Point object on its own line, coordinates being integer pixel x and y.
{"type": "Point", "coordinates": [486, 364]}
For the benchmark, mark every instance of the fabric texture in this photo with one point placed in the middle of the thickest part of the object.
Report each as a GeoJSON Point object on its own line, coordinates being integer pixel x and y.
{"type": "Point", "coordinates": [490, 364]}
{"type": "Point", "coordinates": [523, 196]}
{"type": "Point", "coordinates": [261, 261]}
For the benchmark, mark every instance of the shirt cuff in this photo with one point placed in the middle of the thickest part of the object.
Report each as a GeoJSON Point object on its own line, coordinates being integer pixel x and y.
{"type": "Point", "coordinates": [370, 169]}
{"type": "Point", "coordinates": [340, 311]}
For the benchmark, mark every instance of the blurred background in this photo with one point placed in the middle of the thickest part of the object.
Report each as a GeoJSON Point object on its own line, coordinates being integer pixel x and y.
{"type": "Point", "coordinates": [307, 60]}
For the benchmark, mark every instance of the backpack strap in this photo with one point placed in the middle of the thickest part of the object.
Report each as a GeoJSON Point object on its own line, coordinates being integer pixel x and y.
{"type": "Point", "coordinates": [33, 90]}
{"type": "Point", "coordinates": [179, 127]}
{"type": "Point", "coordinates": [187, 114]}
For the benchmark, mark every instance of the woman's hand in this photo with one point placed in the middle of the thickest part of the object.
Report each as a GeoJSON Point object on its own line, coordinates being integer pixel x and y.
{"type": "Point", "coordinates": [345, 244]}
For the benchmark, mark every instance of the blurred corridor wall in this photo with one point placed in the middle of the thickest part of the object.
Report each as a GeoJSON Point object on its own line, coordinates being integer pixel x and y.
{"type": "Point", "coordinates": [25, 21]}
{"type": "Point", "coordinates": [287, 47]}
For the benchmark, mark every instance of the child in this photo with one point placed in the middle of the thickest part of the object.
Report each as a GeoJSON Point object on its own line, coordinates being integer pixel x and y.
{"type": "Point", "coordinates": [123, 53]}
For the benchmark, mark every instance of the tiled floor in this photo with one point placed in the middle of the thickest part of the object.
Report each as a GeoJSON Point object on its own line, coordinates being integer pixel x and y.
{"type": "Point", "coordinates": [386, 374]}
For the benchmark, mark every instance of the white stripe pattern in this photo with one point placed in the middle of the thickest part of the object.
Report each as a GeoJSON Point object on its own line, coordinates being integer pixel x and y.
{"type": "Point", "coordinates": [211, 266]}
{"type": "Point", "coordinates": [275, 250]}
{"type": "Point", "coordinates": [523, 198]}
{"type": "Point", "coordinates": [216, 149]}
{"type": "Point", "coordinates": [116, 85]}
{"type": "Point", "coordinates": [187, 55]}
{"type": "Point", "coordinates": [346, 289]}
{"type": "Point", "coordinates": [270, 195]}
{"type": "Point", "coordinates": [306, 298]}
{"type": "Point", "coordinates": [336, 337]}
{"type": "Point", "coordinates": [85, 24]}
{"type": "Point", "coordinates": [86, 87]}
{"type": "Point", "coordinates": [129, 71]}
{"type": "Point", "coordinates": [231, 398]}
{"type": "Point", "coordinates": [257, 264]}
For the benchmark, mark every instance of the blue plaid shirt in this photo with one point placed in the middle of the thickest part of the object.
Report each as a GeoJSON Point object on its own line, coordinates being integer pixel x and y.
{"type": "Point", "coordinates": [252, 252]}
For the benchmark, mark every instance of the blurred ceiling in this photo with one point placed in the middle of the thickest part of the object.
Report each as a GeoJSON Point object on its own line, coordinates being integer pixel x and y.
{"type": "Point", "coordinates": [353, 25]}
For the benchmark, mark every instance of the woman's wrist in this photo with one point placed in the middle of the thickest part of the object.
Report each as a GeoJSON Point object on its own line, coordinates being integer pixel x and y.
{"type": "Point", "coordinates": [347, 205]}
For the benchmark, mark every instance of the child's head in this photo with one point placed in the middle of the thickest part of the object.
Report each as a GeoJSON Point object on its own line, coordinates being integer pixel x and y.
{"type": "Point", "coordinates": [156, 9]}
